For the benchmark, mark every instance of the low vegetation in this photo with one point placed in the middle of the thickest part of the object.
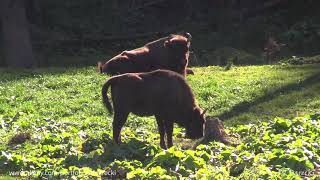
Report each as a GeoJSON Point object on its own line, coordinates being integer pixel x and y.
{"type": "Point", "coordinates": [53, 123]}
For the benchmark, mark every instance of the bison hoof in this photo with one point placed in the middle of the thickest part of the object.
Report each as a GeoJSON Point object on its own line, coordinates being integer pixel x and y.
{"type": "Point", "coordinates": [163, 146]}
{"type": "Point", "coordinates": [117, 141]}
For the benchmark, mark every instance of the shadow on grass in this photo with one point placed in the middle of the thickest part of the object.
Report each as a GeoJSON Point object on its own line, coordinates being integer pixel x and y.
{"type": "Point", "coordinates": [107, 152]}
{"type": "Point", "coordinates": [245, 107]}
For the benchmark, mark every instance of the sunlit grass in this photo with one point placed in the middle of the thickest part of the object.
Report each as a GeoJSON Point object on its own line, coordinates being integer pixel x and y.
{"type": "Point", "coordinates": [251, 93]}
{"type": "Point", "coordinates": [61, 109]}
{"type": "Point", "coordinates": [240, 95]}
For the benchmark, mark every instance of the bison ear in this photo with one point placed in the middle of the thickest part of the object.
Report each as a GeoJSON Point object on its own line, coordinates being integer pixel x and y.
{"type": "Point", "coordinates": [167, 42]}
{"type": "Point", "coordinates": [99, 67]}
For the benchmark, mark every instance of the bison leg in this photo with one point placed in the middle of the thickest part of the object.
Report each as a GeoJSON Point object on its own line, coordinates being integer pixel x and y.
{"type": "Point", "coordinates": [169, 131]}
{"type": "Point", "coordinates": [118, 122]}
{"type": "Point", "coordinates": [161, 132]}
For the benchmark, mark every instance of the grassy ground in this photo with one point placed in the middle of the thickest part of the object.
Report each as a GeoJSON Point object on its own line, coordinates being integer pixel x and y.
{"type": "Point", "coordinates": [53, 104]}
{"type": "Point", "coordinates": [254, 93]}
{"type": "Point", "coordinates": [240, 95]}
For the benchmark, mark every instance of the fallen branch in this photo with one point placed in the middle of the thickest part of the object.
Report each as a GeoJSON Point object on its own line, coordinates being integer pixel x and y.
{"type": "Point", "coordinates": [214, 131]}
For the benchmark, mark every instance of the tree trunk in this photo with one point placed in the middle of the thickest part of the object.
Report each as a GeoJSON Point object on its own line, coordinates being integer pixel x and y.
{"type": "Point", "coordinates": [16, 37]}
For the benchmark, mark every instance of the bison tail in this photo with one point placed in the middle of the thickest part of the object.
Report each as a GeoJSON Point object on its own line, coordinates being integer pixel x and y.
{"type": "Point", "coordinates": [105, 99]}
{"type": "Point", "coordinates": [99, 67]}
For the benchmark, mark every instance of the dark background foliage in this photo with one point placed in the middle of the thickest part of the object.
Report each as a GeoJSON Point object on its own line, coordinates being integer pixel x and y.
{"type": "Point", "coordinates": [81, 32]}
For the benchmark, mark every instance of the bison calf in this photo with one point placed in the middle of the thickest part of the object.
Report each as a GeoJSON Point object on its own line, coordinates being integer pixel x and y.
{"type": "Point", "coordinates": [171, 53]}
{"type": "Point", "coordinates": [162, 93]}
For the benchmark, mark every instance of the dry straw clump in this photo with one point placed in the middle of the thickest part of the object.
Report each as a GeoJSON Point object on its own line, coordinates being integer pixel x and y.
{"type": "Point", "coordinates": [214, 131]}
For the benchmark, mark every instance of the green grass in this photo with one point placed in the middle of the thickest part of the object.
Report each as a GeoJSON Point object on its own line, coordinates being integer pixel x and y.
{"type": "Point", "coordinates": [62, 110]}
{"type": "Point", "coordinates": [240, 95]}
{"type": "Point", "coordinates": [257, 93]}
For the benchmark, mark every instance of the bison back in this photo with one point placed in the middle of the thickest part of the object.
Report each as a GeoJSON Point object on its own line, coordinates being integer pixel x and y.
{"type": "Point", "coordinates": [157, 92]}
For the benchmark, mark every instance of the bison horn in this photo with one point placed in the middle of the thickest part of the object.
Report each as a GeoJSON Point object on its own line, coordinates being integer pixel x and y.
{"type": "Point", "coordinates": [188, 36]}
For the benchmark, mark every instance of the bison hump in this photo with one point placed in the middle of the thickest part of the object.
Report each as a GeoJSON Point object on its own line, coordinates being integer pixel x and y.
{"type": "Point", "coordinates": [135, 52]}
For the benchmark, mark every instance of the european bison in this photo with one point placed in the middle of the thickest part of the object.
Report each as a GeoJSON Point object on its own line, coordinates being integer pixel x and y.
{"type": "Point", "coordinates": [162, 93]}
{"type": "Point", "coordinates": [171, 53]}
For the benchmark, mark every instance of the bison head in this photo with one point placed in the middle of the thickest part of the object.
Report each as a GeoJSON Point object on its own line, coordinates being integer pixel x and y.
{"type": "Point", "coordinates": [194, 129]}
{"type": "Point", "coordinates": [177, 47]}
{"type": "Point", "coordinates": [177, 44]}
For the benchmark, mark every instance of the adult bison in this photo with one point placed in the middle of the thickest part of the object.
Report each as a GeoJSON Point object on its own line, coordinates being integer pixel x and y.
{"type": "Point", "coordinates": [162, 93]}
{"type": "Point", "coordinates": [171, 53]}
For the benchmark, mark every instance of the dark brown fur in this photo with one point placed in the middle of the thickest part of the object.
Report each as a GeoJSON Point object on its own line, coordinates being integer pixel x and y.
{"type": "Point", "coordinates": [171, 53]}
{"type": "Point", "coordinates": [162, 93]}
